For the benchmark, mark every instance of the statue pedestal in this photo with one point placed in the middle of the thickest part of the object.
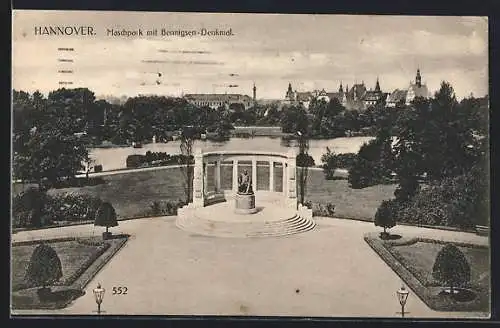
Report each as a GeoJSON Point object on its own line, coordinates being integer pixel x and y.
{"type": "Point", "coordinates": [245, 203]}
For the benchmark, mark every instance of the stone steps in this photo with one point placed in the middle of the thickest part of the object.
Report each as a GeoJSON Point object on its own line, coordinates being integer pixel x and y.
{"type": "Point", "coordinates": [244, 229]}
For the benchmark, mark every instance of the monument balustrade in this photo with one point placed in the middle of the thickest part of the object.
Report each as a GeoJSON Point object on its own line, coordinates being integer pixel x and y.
{"type": "Point", "coordinates": [217, 159]}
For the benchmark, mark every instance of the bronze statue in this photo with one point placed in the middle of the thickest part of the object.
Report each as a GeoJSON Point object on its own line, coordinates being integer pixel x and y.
{"type": "Point", "coordinates": [245, 183]}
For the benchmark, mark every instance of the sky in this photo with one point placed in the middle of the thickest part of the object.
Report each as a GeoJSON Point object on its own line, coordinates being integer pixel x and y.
{"type": "Point", "coordinates": [271, 50]}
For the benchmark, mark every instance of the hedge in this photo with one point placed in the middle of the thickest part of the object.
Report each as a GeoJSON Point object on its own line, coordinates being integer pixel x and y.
{"type": "Point", "coordinates": [156, 159]}
{"type": "Point", "coordinates": [36, 208]}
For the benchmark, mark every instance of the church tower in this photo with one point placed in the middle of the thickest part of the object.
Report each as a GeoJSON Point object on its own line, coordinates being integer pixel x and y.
{"type": "Point", "coordinates": [418, 79]}
{"type": "Point", "coordinates": [377, 86]}
{"type": "Point", "coordinates": [289, 92]}
{"type": "Point", "coordinates": [254, 94]}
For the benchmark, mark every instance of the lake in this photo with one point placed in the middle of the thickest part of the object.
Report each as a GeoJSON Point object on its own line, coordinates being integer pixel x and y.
{"type": "Point", "coordinates": [115, 158]}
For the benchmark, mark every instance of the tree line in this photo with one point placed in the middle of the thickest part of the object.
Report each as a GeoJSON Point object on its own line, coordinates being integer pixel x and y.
{"type": "Point", "coordinates": [437, 152]}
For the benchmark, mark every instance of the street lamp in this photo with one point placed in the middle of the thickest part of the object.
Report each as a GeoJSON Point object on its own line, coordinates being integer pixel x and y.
{"type": "Point", "coordinates": [402, 294]}
{"type": "Point", "coordinates": [99, 295]}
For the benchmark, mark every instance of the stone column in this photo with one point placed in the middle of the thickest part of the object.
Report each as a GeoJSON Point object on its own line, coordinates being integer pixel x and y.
{"type": "Point", "coordinates": [254, 174]}
{"type": "Point", "coordinates": [205, 178]}
{"type": "Point", "coordinates": [292, 183]}
{"type": "Point", "coordinates": [235, 176]}
{"type": "Point", "coordinates": [271, 175]}
{"type": "Point", "coordinates": [285, 181]}
{"type": "Point", "coordinates": [217, 176]}
{"type": "Point", "coordinates": [198, 197]}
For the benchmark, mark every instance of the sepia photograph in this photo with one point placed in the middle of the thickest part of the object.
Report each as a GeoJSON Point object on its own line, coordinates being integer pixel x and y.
{"type": "Point", "coordinates": [237, 164]}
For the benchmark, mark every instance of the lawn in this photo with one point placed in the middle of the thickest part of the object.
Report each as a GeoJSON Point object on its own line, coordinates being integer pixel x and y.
{"type": "Point", "coordinates": [81, 259]}
{"type": "Point", "coordinates": [413, 260]}
{"type": "Point", "coordinates": [132, 193]}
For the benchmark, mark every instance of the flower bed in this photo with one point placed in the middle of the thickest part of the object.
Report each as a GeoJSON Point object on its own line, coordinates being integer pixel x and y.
{"type": "Point", "coordinates": [412, 260]}
{"type": "Point", "coordinates": [81, 259]}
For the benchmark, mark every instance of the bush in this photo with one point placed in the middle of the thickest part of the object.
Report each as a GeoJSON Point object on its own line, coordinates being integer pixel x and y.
{"type": "Point", "coordinates": [44, 267]}
{"type": "Point", "coordinates": [134, 161]}
{"type": "Point", "coordinates": [304, 160]}
{"type": "Point", "coordinates": [98, 168]}
{"type": "Point", "coordinates": [28, 208]}
{"type": "Point", "coordinates": [454, 202]}
{"type": "Point", "coordinates": [451, 267]}
{"type": "Point", "coordinates": [386, 215]}
{"type": "Point", "coordinates": [332, 161]}
{"type": "Point", "coordinates": [318, 209]}
{"type": "Point", "coordinates": [158, 208]}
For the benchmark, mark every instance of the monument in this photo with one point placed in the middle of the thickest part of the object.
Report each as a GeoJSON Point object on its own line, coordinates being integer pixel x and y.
{"type": "Point", "coordinates": [245, 197]}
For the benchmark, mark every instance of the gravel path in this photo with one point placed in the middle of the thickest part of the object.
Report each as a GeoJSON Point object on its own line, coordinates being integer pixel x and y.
{"type": "Point", "coordinates": [329, 272]}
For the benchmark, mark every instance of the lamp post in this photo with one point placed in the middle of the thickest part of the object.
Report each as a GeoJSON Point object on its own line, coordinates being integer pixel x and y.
{"type": "Point", "coordinates": [99, 295]}
{"type": "Point", "coordinates": [402, 294]}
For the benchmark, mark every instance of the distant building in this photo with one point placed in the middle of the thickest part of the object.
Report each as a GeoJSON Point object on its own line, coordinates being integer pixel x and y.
{"type": "Point", "coordinates": [374, 97]}
{"type": "Point", "coordinates": [340, 95]}
{"type": "Point", "coordinates": [397, 97]}
{"type": "Point", "coordinates": [354, 97]}
{"type": "Point", "coordinates": [406, 96]}
{"type": "Point", "coordinates": [219, 100]}
{"type": "Point", "coordinates": [416, 89]}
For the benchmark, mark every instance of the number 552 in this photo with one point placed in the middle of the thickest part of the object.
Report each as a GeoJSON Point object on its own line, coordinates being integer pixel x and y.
{"type": "Point", "coordinates": [120, 290]}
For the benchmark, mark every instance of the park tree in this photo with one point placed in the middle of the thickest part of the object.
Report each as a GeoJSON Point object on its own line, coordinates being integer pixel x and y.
{"type": "Point", "coordinates": [70, 109]}
{"type": "Point", "coordinates": [270, 115]}
{"type": "Point", "coordinates": [44, 268]}
{"type": "Point", "coordinates": [386, 216]}
{"type": "Point", "coordinates": [451, 268]}
{"type": "Point", "coordinates": [105, 216]}
{"type": "Point", "coordinates": [187, 138]}
{"type": "Point", "coordinates": [293, 119]}
{"type": "Point", "coordinates": [318, 108]}
{"type": "Point", "coordinates": [303, 170]}
{"type": "Point", "coordinates": [373, 163]}
{"type": "Point", "coordinates": [49, 155]}
{"type": "Point", "coordinates": [45, 146]}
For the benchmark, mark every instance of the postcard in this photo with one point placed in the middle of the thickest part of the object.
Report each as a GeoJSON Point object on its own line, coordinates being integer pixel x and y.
{"type": "Point", "coordinates": [228, 164]}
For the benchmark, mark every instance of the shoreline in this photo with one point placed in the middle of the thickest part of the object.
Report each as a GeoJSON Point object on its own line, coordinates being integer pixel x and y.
{"type": "Point", "coordinates": [283, 135]}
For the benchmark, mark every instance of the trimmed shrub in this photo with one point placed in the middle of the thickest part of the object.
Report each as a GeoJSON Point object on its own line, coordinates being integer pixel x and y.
{"type": "Point", "coordinates": [44, 267]}
{"type": "Point", "coordinates": [386, 215]}
{"type": "Point", "coordinates": [451, 268]}
{"type": "Point", "coordinates": [106, 216]}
